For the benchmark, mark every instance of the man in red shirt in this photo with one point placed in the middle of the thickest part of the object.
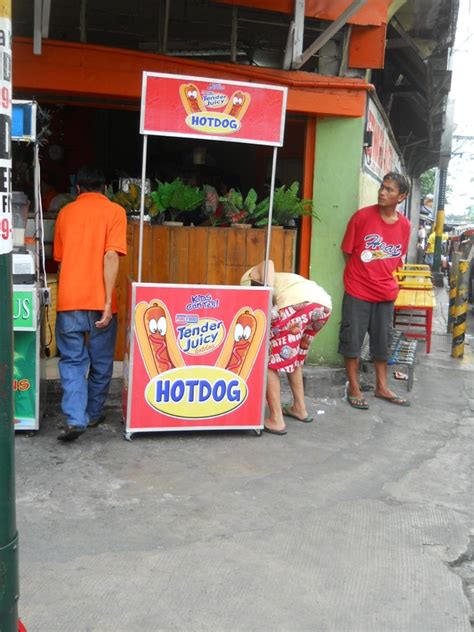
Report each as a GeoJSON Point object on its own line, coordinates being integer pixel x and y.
{"type": "Point", "coordinates": [90, 234]}
{"type": "Point", "coordinates": [375, 241]}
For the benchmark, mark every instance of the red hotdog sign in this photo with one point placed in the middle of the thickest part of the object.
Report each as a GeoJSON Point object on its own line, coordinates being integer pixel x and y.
{"type": "Point", "coordinates": [215, 109]}
{"type": "Point", "coordinates": [197, 357]}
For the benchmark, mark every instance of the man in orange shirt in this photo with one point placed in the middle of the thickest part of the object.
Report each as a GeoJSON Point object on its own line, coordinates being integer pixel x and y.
{"type": "Point", "coordinates": [90, 235]}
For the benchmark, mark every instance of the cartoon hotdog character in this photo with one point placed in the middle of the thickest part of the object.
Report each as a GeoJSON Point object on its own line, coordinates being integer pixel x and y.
{"type": "Point", "coordinates": [156, 337]}
{"type": "Point", "coordinates": [191, 98]}
{"type": "Point", "coordinates": [238, 104]}
{"type": "Point", "coordinates": [243, 342]}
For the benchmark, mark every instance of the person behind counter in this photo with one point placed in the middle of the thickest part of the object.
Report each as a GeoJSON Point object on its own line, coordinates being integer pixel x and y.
{"type": "Point", "coordinates": [301, 309]}
{"type": "Point", "coordinates": [89, 237]}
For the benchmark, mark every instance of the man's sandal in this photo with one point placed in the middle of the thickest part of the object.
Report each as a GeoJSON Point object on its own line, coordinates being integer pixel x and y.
{"type": "Point", "coordinates": [357, 402]}
{"type": "Point", "coordinates": [395, 399]}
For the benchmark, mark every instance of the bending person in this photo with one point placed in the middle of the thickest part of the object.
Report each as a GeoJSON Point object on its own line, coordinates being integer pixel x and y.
{"type": "Point", "coordinates": [301, 309]}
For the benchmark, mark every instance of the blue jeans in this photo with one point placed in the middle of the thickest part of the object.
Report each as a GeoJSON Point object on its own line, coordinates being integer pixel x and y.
{"type": "Point", "coordinates": [86, 364]}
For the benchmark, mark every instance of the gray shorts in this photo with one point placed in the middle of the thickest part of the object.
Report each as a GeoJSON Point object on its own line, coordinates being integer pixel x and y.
{"type": "Point", "coordinates": [361, 317]}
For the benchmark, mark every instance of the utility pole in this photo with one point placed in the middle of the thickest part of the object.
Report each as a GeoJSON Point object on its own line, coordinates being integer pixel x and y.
{"type": "Point", "coordinates": [8, 533]}
{"type": "Point", "coordinates": [440, 198]}
{"type": "Point", "coordinates": [439, 226]}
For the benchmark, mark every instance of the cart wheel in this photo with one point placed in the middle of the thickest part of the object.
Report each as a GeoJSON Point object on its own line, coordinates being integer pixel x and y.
{"type": "Point", "coordinates": [30, 433]}
{"type": "Point", "coordinates": [258, 432]}
{"type": "Point", "coordinates": [128, 436]}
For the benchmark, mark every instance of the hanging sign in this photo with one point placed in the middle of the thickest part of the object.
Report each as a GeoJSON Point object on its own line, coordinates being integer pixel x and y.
{"type": "Point", "coordinates": [25, 380]}
{"type": "Point", "coordinates": [213, 109]}
{"type": "Point", "coordinates": [24, 308]}
{"type": "Point", "coordinates": [24, 121]}
{"type": "Point", "coordinates": [6, 230]}
{"type": "Point", "coordinates": [198, 357]}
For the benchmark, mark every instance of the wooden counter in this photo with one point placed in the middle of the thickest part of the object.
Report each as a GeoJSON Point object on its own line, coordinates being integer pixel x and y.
{"type": "Point", "coordinates": [200, 255]}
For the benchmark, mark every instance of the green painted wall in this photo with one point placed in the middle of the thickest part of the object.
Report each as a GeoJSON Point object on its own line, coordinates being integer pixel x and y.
{"type": "Point", "coordinates": [336, 197]}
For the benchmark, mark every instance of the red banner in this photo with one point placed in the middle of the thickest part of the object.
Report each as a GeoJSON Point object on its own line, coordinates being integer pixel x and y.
{"type": "Point", "coordinates": [197, 358]}
{"type": "Point", "coordinates": [197, 107]}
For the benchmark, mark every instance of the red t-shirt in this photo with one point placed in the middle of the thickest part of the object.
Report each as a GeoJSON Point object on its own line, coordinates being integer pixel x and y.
{"type": "Point", "coordinates": [376, 249]}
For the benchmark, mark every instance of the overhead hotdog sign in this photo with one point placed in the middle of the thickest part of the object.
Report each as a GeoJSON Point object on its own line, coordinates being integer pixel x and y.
{"type": "Point", "coordinates": [215, 109]}
{"type": "Point", "coordinates": [197, 357]}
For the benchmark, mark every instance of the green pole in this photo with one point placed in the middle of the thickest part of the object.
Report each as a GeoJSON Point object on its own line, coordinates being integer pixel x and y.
{"type": "Point", "coordinates": [8, 533]}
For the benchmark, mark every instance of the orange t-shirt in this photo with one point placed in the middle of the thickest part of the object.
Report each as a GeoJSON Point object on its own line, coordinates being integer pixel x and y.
{"type": "Point", "coordinates": [85, 230]}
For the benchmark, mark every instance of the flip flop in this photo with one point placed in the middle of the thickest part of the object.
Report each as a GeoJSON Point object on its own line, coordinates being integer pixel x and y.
{"type": "Point", "coordinates": [398, 375]}
{"type": "Point", "coordinates": [398, 401]}
{"type": "Point", "coordinates": [276, 432]}
{"type": "Point", "coordinates": [286, 412]}
{"type": "Point", "coordinates": [357, 402]}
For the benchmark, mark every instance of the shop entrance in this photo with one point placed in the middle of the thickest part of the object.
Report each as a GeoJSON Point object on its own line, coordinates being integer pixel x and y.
{"type": "Point", "coordinates": [77, 135]}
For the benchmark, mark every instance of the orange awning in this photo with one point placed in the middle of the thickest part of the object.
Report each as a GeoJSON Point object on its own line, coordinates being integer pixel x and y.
{"type": "Point", "coordinates": [82, 70]}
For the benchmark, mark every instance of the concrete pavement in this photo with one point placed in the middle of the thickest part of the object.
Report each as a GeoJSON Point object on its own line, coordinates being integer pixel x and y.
{"type": "Point", "coordinates": [357, 522]}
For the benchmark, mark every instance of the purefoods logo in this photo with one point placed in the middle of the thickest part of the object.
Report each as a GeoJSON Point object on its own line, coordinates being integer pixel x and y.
{"type": "Point", "coordinates": [196, 392]}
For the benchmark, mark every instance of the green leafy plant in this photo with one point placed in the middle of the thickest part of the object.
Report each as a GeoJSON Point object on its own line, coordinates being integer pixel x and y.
{"type": "Point", "coordinates": [176, 197]}
{"type": "Point", "coordinates": [260, 216]}
{"type": "Point", "coordinates": [237, 209]}
{"type": "Point", "coordinates": [287, 205]}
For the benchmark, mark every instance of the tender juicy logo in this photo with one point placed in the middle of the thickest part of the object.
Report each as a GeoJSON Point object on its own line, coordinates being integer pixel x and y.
{"type": "Point", "coordinates": [196, 392]}
{"type": "Point", "coordinates": [201, 338]}
{"type": "Point", "coordinates": [214, 100]}
{"type": "Point", "coordinates": [213, 123]}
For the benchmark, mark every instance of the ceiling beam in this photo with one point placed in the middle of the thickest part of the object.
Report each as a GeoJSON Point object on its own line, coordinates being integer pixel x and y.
{"type": "Point", "coordinates": [405, 37]}
{"type": "Point", "coordinates": [328, 34]}
{"type": "Point", "coordinates": [37, 26]}
{"type": "Point", "coordinates": [299, 30]}
{"type": "Point", "coordinates": [45, 18]}
{"type": "Point", "coordinates": [234, 35]}
{"type": "Point", "coordinates": [294, 41]}
{"type": "Point", "coordinates": [41, 15]}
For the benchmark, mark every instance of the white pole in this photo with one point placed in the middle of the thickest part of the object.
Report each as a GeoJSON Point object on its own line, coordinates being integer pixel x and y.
{"type": "Point", "coordinates": [142, 209]}
{"type": "Point", "coordinates": [270, 214]}
{"type": "Point", "coordinates": [38, 213]}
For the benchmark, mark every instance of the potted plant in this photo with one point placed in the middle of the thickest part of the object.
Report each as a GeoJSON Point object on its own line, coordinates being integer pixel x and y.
{"type": "Point", "coordinates": [239, 210]}
{"type": "Point", "coordinates": [130, 200]}
{"type": "Point", "coordinates": [212, 207]}
{"type": "Point", "coordinates": [287, 205]}
{"type": "Point", "coordinates": [260, 215]}
{"type": "Point", "coordinates": [176, 198]}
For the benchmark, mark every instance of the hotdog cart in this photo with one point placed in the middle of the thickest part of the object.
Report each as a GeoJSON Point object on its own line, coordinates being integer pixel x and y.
{"type": "Point", "coordinates": [196, 355]}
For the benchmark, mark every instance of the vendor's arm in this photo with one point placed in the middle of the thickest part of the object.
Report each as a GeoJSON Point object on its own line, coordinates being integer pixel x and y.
{"type": "Point", "coordinates": [111, 266]}
{"type": "Point", "coordinates": [258, 273]}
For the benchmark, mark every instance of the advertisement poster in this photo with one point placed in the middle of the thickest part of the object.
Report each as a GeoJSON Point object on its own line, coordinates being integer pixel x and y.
{"type": "Point", "coordinates": [24, 308]}
{"type": "Point", "coordinates": [383, 156]}
{"type": "Point", "coordinates": [6, 229]}
{"type": "Point", "coordinates": [198, 357]}
{"type": "Point", "coordinates": [214, 109]}
{"type": "Point", "coordinates": [24, 380]}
